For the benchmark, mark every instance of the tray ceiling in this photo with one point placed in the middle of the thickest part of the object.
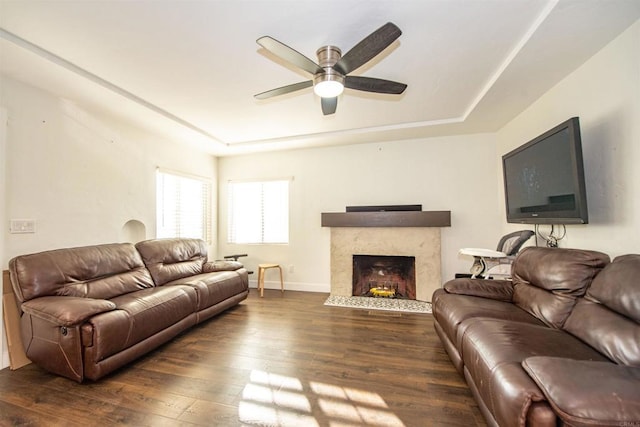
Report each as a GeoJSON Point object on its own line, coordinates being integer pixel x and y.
{"type": "Point", "coordinates": [189, 70]}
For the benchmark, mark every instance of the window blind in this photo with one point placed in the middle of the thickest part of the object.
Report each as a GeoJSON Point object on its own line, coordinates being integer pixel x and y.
{"type": "Point", "coordinates": [183, 206]}
{"type": "Point", "coordinates": [258, 212]}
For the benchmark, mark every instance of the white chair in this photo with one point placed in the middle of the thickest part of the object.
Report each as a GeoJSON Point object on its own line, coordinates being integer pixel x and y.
{"type": "Point", "coordinates": [497, 264]}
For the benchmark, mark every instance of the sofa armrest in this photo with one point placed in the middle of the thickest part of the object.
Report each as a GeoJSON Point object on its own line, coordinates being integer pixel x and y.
{"type": "Point", "coordinates": [588, 393]}
{"type": "Point", "coordinates": [221, 265]}
{"type": "Point", "coordinates": [501, 290]}
{"type": "Point", "coordinates": [66, 311]}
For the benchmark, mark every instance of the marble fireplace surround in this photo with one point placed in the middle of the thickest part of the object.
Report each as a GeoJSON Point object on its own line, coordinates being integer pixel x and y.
{"type": "Point", "coordinates": [388, 233]}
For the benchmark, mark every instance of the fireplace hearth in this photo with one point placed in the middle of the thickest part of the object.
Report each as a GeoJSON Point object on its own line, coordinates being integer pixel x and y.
{"type": "Point", "coordinates": [384, 276]}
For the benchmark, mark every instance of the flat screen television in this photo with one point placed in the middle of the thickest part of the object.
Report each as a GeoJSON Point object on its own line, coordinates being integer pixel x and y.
{"type": "Point", "coordinates": [544, 178]}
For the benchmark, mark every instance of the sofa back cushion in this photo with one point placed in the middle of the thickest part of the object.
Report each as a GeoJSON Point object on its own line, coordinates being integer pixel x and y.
{"type": "Point", "coordinates": [547, 281]}
{"type": "Point", "coordinates": [100, 271]}
{"type": "Point", "coordinates": [608, 318]}
{"type": "Point", "coordinates": [173, 259]}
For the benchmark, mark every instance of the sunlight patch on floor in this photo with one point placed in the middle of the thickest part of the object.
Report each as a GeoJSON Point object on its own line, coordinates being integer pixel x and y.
{"type": "Point", "coordinates": [347, 393]}
{"type": "Point", "coordinates": [274, 380]}
{"type": "Point", "coordinates": [272, 416]}
{"type": "Point", "coordinates": [276, 400]}
{"type": "Point", "coordinates": [363, 415]}
{"type": "Point", "coordinates": [281, 398]}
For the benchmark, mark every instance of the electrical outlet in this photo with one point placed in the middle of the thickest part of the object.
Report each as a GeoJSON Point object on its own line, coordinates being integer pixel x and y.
{"type": "Point", "coordinates": [291, 269]}
{"type": "Point", "coordinates": [18, 226]}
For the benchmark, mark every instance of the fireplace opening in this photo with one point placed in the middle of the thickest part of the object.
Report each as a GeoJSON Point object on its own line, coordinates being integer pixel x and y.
{"type": "Point", "coordinates": [384, 276]}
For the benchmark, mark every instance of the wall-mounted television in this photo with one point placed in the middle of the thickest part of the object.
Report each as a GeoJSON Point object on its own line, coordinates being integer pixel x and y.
{"type": "Point", "coordinates": [544, 178]}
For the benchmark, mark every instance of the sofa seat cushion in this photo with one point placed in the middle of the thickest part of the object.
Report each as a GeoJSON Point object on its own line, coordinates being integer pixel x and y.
{"type": "Point", "coordinates": [493, 351]}
{"type": "Point", "coordinates": [137, 316]}
{"type": "Point", "coordinates": [215, 287]}
{"type": "Point", "coordinates": [451, 310]}
{"type": "Point", "coordinates": [585, 393]}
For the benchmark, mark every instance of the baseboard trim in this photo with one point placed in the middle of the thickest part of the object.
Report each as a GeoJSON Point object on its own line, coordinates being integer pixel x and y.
{"type": "Point", "coordinates": [294, 286]}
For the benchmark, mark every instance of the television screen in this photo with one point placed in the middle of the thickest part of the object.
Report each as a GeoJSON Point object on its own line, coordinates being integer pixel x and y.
{"type": "Point", "coordinates": [544, 178]}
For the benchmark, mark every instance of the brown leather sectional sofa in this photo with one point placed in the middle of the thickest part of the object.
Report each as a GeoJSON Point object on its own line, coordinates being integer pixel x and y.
{"type": "Point", "coordinates": [90, 310]}
{"type": "Point", "coordinates": [559, 345]}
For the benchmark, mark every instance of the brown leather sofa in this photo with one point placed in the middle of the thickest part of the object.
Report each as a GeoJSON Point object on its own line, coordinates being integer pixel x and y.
{"type": "Point", "coordinates": [557, 345]}
{"type": "Point", "coordinates": [87, 311]}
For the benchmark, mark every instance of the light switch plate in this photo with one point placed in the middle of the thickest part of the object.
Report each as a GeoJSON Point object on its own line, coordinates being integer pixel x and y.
{"type": "Point", "coordinates": [22, 226]}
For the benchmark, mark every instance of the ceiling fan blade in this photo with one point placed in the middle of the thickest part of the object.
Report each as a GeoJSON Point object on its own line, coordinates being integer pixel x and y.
{"type": "Point", "coordinates": [368, 48]}
{"type": "Point", "coordinates": [370, 84]}
{"type": "Point", "coordinates": [290, 55]}
{"type": "Point", "coordinates": [329, 105]}
{"type": "Point", "coordinates": [284, 89]}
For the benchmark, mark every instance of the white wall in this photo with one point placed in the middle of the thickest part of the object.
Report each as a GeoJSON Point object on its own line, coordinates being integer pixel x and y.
{"type": "Point", "coordinates": [81, 177]}
{"type": "Point", "coordinates": [605, 93]}
{"type": "Point", "coordinates": [4, 354]}
{"type": "Point", "coordinates": [447, 173]}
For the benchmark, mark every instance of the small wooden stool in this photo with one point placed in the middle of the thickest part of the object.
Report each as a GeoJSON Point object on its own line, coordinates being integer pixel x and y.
{"type": "Point", "coordinates": [261, 270]}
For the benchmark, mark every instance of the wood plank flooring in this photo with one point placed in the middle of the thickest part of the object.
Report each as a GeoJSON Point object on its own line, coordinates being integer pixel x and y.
{"type": "Point", "coordinates": [283, 360]}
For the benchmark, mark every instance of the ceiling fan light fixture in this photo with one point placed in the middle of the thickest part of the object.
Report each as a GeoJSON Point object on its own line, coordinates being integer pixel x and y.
{"type": "Point", "coordinates": [329, 83]}
{"type": "Point", "coordinates": [328, 88]}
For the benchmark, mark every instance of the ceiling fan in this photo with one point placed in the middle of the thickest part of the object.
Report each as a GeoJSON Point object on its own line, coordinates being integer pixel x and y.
{"type": "Point", "coordinates": [330, 75]}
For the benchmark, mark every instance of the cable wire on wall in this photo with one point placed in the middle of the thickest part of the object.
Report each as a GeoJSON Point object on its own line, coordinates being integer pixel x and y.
{"type": "Point", "coordinates": [551, 239]}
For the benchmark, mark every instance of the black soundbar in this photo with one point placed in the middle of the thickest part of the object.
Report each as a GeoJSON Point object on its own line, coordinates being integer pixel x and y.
{"type": "Point", "coordinates": [385, 208]}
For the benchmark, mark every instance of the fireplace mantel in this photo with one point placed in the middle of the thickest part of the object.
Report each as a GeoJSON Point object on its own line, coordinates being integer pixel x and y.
{"type": "Point", "coordinates": [387, 219]}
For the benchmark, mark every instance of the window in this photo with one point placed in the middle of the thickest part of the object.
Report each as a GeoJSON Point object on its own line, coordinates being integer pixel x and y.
{"type": "Point", "coordinates": [259, 212]}
{"type": "Point", "coordinates": [183, 206]}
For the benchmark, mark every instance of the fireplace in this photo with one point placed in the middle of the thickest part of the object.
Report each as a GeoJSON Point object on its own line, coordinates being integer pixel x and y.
{"type": "Point", "coordinates": [421, 243]}
{"type": "Point", "coordinates": [403, 233]}
{"type": "Point", "coordinates": [384, 276]}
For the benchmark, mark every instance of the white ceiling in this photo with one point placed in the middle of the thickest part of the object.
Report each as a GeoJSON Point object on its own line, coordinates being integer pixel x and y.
{"type": "Point", "coordinates": [189, 69]}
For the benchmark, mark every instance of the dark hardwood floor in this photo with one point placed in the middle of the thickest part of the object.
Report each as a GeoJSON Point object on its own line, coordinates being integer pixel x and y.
{"type": "Point", "coordinates": [284, 360]}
